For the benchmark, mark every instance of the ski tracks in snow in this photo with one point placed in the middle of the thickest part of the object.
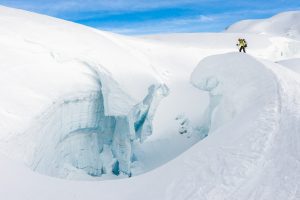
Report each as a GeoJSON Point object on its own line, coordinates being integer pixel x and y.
{"type": "Point", "coordinates": [278, 173]}
{"type": "Point", "coordinates": [283, 168]}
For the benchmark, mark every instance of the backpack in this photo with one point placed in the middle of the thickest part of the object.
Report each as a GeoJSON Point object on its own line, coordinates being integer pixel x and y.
{"type": "Point", "coordinates": [245, 43]}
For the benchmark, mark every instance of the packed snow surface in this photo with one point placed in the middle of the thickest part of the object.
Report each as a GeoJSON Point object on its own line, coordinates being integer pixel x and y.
{"type": "Point", "coordinates": [184, 116]}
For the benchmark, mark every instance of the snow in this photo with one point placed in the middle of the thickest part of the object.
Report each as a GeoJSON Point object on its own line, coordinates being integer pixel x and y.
{"type": "Point", "coordinates": [293, 64]}
{"type": "Point", "coordinates": [230, 95]}
{"type": "Point", "coordinates": [283, 24]}
{"type": "Point", "coordinates": [62, 88]}
{"type": "Point", "coordinates": [185, 116]}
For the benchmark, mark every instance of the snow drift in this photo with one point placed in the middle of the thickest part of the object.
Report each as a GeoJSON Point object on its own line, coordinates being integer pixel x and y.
{"type": "Point", "coordinates": [284, 24]}
{"type": "Point", "coordinates": [251, 153]}
{"type": "Point", "coordinates": [231, 95]}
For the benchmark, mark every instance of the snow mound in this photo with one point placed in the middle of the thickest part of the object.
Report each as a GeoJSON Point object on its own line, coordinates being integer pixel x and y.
{"type": "Point", "coordinates": [230, 95]}
{"type": "Point", "coordinates": [285, 24]}
{"type": "Point", "coordinates": [251, 152]}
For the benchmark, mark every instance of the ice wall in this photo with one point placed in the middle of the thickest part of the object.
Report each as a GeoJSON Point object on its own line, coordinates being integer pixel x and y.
{"type": "Point", "coordinates": [75, 138]}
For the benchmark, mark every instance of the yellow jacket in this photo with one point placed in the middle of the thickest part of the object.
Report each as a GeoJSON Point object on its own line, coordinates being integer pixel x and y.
{"type": "Point", "coordinates": [242, 43]}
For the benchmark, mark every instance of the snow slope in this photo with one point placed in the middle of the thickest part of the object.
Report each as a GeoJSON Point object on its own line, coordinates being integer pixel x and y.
{"type": "Point", "coordinates": [284, 24]}
{"type": "Point", "coordinates": [253, 154]}
{"type": "Point", "coordinates": [293, 64]}
{"type": "Point", "coordinates": [83, 104]}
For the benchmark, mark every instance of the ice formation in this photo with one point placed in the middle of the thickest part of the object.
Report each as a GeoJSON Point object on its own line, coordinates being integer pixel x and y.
{"type": "Point", "coordinates": [76, 136]}
{"type": "Point", "coordinates": [237, 95]}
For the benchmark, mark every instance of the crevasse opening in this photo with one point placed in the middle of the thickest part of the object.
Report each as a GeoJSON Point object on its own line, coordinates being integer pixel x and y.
{"type": "Point", "coordinates": [75, 139]}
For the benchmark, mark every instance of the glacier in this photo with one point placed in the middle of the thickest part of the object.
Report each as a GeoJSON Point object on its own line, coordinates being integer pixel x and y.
{"type": "Point", "coordinates": [75, 136]}
{"type": "Point", "coordinates": [82, 110]}
{"type": "Point", "coordinates": [77, 114]}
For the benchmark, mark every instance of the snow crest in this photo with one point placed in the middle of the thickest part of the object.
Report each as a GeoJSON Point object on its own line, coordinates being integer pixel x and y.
{"type": "Point", "coordinates": [284, 24]}
{"type": "Point", "coordinates": [253, 128]}
{"type": "Point", "coordinates": [233, 85]}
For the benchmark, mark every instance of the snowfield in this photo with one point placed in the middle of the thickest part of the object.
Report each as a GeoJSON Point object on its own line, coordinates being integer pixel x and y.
{"type": "Point", "coordinates": [87, 114]}
{"type": "Point", "coordinates": [284, 24]}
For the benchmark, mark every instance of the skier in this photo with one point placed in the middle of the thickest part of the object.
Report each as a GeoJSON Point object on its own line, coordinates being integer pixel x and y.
{"type": "Point", "coordinates": [242, 45]}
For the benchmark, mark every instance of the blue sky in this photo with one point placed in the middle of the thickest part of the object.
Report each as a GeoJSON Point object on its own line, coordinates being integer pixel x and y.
{"type": "Point", "coordinates": [156, 16]}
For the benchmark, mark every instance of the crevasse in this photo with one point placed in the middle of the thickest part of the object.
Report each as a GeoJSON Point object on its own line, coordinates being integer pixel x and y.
{"type": "Point", "coordinates": [75, 138]}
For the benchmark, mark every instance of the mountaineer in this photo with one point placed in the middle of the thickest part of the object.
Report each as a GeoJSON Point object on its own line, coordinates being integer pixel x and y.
{"type": "Point", "coordinates": [242, 45]}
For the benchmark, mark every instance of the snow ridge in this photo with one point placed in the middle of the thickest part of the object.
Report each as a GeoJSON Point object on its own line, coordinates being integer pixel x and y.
{"type": "Point", "coordinates": [285, 24]}
{"type": "Point", "coordinates": [254, 156]}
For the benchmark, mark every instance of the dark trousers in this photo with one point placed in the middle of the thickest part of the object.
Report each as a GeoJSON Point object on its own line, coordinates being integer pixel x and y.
{"type": "Point", "coordinates": [243, 48]}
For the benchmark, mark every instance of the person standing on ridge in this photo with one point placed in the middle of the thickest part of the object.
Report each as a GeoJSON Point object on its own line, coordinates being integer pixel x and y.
{"type": "Point", "coordinates": [242, 45]}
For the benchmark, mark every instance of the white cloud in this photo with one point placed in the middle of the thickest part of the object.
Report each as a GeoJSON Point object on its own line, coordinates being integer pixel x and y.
{"type": "Point", "coordinates": [204, 18]}
{"type": "Point", "coordinates": [211, 19]}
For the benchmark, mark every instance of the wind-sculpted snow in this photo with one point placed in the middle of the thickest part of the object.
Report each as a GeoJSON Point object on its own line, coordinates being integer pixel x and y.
{"type": "Point", "coordinates": [284, 24]}
{"type": "Point", "coordinates": [233, 86]}
{"type": "Point", "coordinates": [251, 153]}
{"type": "Point", "coordinates": [254, 127]}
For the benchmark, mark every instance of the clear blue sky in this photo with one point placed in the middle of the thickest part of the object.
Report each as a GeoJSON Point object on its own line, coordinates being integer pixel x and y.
{"type": "Point", "coordinates": [156, 16]}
